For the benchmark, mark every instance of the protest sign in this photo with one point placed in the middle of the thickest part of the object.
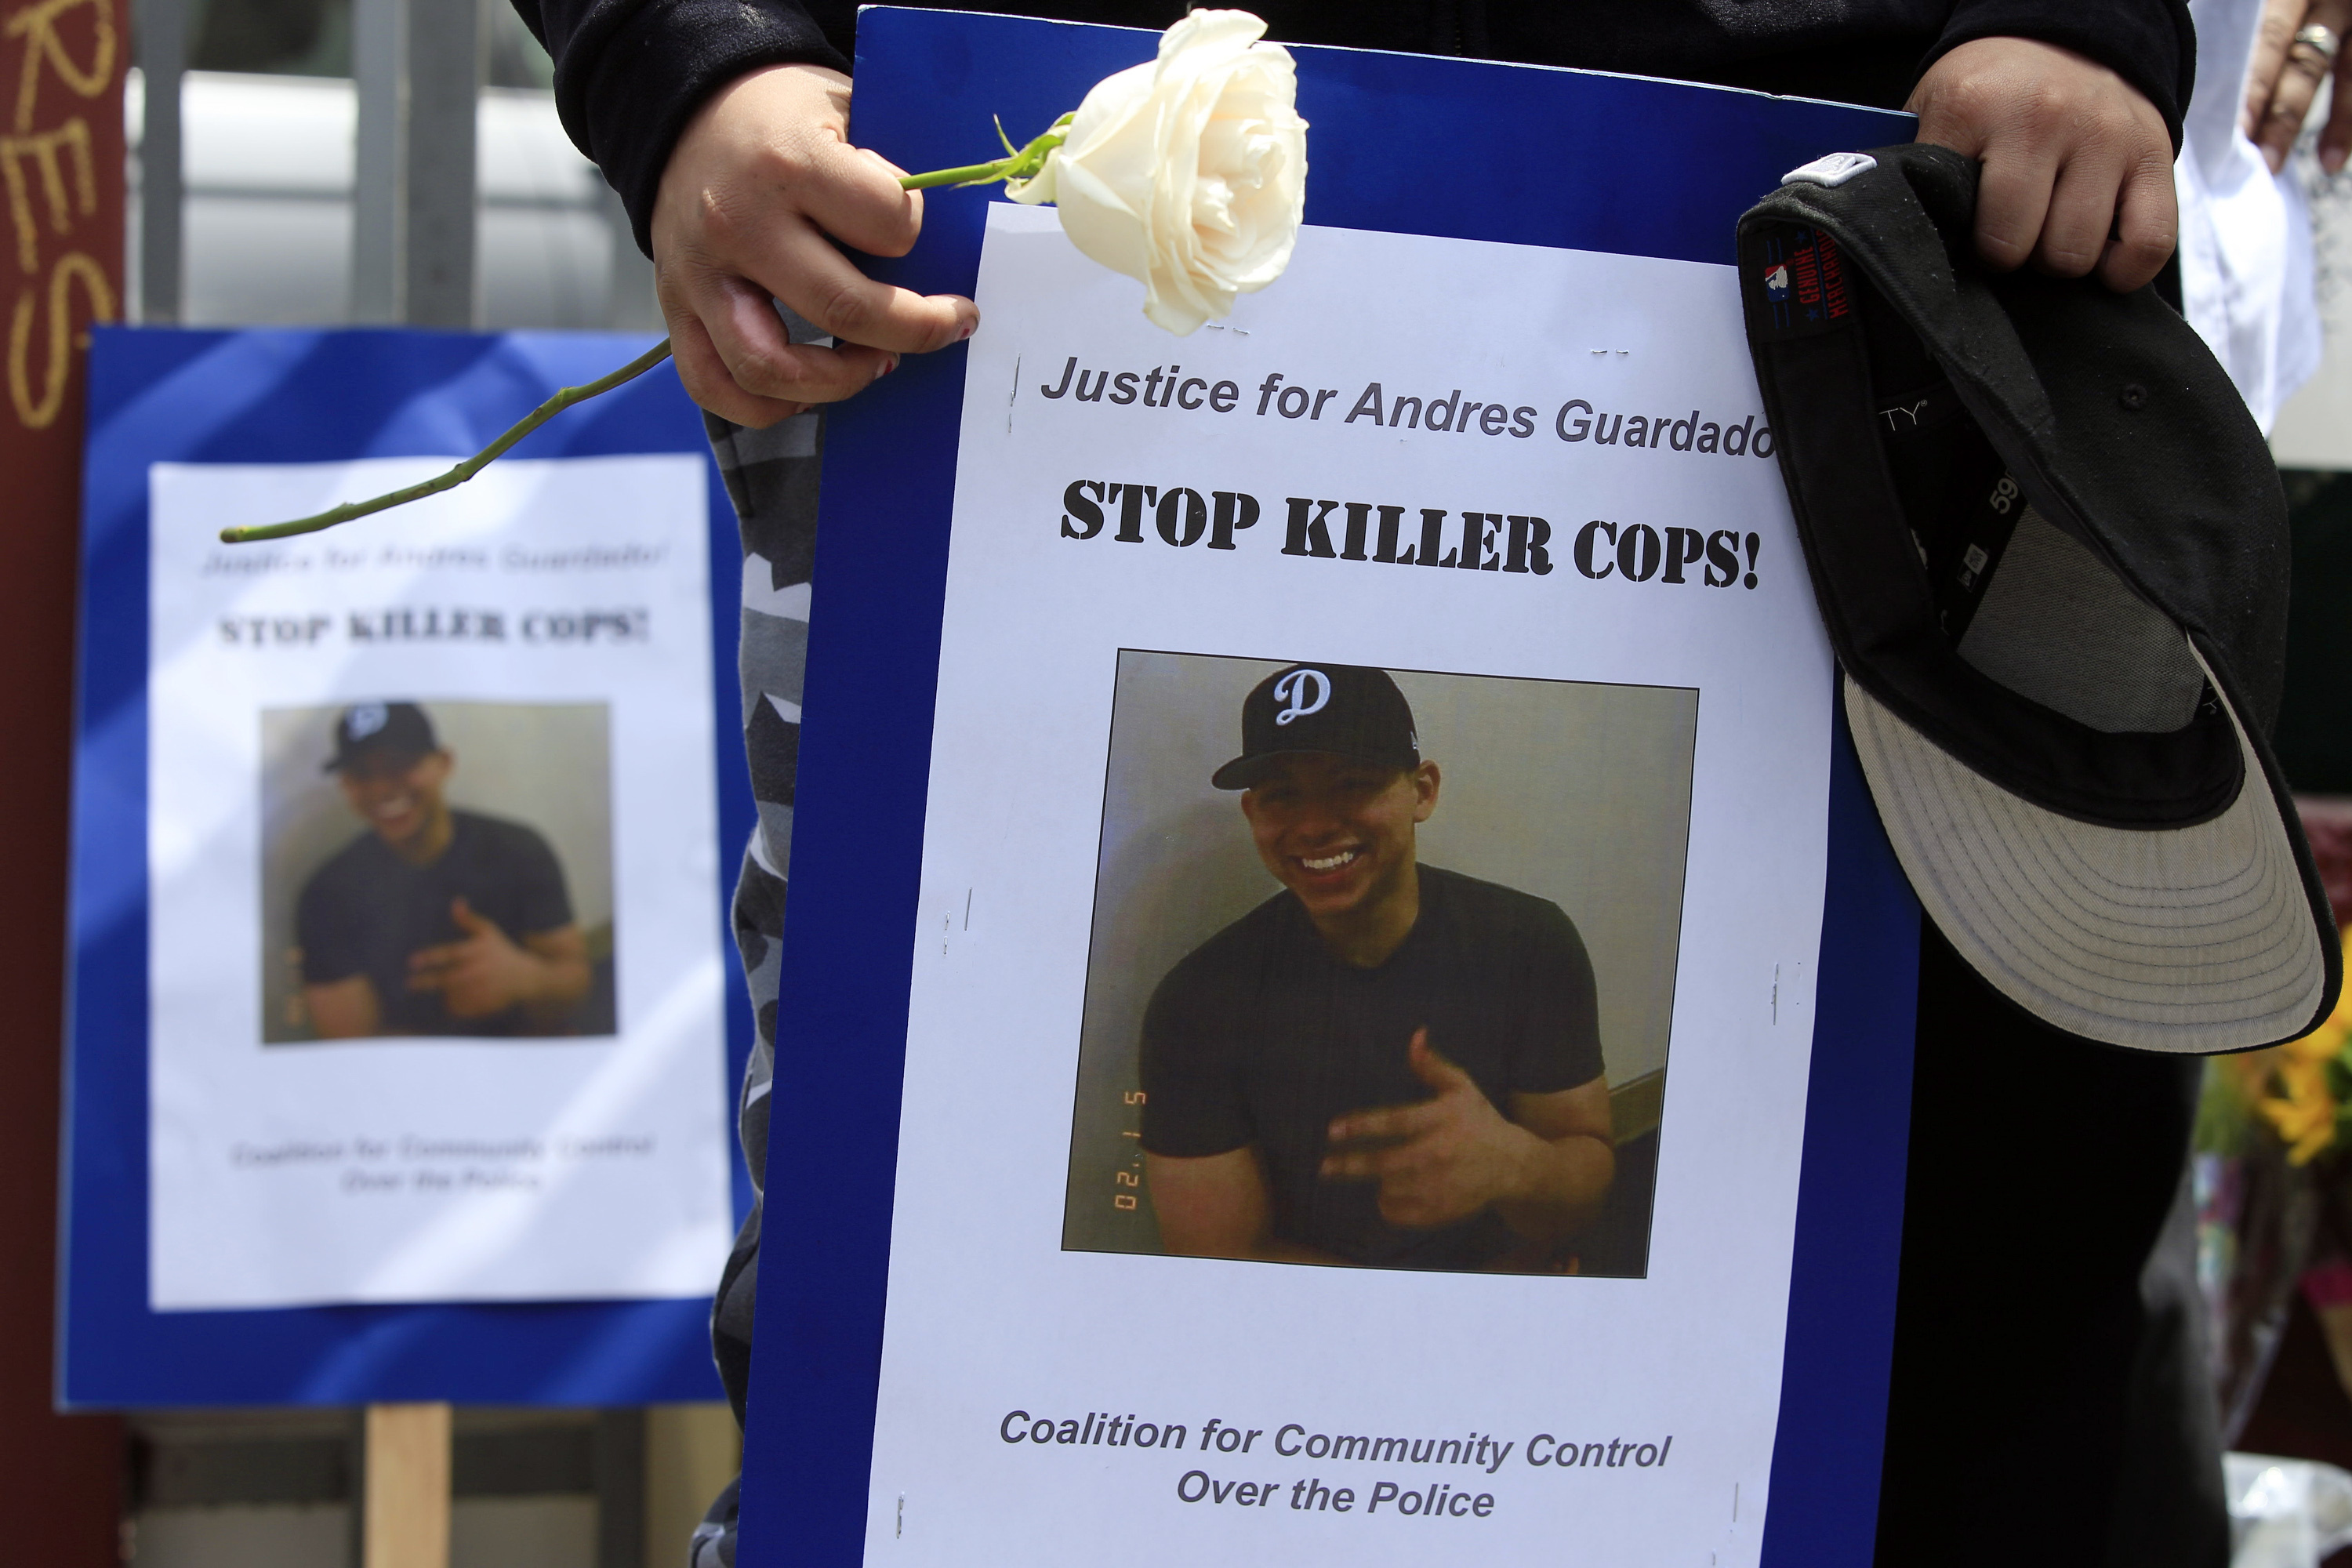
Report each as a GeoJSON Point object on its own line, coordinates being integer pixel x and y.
{"type": "Point", "coordinates": [400, 964]}
{"type": "Point", "coordinates": [544, 622]}
{"type": "Point", "coordinates": [1481, 484]}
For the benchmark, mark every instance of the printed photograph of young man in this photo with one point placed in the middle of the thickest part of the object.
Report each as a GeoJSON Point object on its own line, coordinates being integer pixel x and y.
{"type": "Point", "coordinates": [1386, 1063]}
{"type": "Point", "coordinates": [434, 920]}
{"type": "Point", "coordinates": [1392, 986]}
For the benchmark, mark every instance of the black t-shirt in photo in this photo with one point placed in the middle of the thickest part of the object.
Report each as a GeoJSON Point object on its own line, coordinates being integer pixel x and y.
{"type": "Point", "coordinates": [366, 910]}
{"type": "Point", "coordinates": [1261, 1037]}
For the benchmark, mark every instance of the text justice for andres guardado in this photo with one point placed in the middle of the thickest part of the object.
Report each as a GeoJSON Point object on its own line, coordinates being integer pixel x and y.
{"type": "Point", "coordinates": [1435, 1477]}
{"type": "Point", "coordinates": [1374, 407]}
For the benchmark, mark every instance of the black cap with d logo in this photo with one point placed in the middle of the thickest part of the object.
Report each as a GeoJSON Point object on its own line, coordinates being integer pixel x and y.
{"type": "Point", "coordinates": [1339, 707]}
{"type": "Point", "coordinates": [397, 729]}
{"type": "Point", "coordinates": [2049, 547]}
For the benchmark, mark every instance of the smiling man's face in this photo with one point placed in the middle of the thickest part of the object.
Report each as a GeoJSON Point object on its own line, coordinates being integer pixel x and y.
{"type": "Point", "coordinates": [1337, 832]}
{"type": "Point", "coordinates": [398, 796]}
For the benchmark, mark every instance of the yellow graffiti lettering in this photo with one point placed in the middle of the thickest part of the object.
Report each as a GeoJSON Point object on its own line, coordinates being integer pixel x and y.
{"type": "Point", "coordinates": [40, 150]}
{"type": "Point", "coordinates": [64, 338]}
{"type": "Point", "coordinates": [37, 25]}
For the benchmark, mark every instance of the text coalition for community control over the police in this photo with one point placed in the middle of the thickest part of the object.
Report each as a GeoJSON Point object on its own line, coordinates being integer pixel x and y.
{"type": "Point", "coordinates": [1244, 1482]}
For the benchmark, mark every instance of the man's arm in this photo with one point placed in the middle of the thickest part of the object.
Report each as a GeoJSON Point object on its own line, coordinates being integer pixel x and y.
{"type": "Point", "coordinates": [722, 126]}
{"type": "Point", "coordinates": [629, 74]}
{"type": "Point", "coordinates": [1546, 1169]}
{"type": "Point", "coordinates": [345, 1009]}
{"type": "Point", "coordinates": [1218, 1205]}
{"type": "Point", "coordinates": [565, 977]}
{"type": "Point", "coordinates": [338, 998]}
{"type": "Point", "coordinates": [1570, 1180]}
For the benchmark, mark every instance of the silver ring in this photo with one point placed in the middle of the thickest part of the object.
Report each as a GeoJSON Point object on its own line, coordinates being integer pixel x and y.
{"type": "Point", "coordinates": [2320, 40]}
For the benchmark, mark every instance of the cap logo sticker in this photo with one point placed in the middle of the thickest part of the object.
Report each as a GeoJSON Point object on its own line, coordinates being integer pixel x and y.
{"type": "Point", "coordinates": [1306, 691]}
{"type": "Point", "coordinates": [364, 720]}
{"type": "Point", "coordinates": [1821, 279]}
{"type": "Point", "coordinates": [1832, 171]}
{"type": "Point", "coordinates": [1794, 280]}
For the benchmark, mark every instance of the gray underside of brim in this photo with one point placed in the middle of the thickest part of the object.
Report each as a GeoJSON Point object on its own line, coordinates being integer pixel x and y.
{"type": "Point", "coordinates": [2191, 939]}
{"type": "Point", "coordinates": [2057, 627]}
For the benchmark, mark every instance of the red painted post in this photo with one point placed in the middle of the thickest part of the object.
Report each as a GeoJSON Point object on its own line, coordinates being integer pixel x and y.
{"type": "Point", "coordinates": [61, 210]}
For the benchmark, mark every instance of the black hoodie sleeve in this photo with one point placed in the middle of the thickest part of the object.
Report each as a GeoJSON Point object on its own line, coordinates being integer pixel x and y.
{"type": "Point", "coordinates": [2150, 44]}
{"type": "Point", "coordinates": [630, 73]}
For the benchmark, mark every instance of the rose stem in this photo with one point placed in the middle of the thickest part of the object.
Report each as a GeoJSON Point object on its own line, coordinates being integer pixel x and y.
{"type": "Point", "coordinates": [971, 174]}
{"type": "Point", "coordinates": [1016, 165]}
{"type": "Point", "coordinates": [462, 472]}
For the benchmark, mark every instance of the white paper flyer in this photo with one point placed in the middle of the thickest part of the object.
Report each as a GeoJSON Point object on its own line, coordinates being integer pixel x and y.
{"type": "Point", "coordinates": [435, 948]}
{"type": "Point", "coordinates": [1188, 1250]}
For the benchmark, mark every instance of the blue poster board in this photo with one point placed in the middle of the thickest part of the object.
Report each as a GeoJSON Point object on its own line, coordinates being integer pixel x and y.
{"type": "Point", "coordinates": [1658, 169]}
{"type": "Point", "coordinates": [282, 396]}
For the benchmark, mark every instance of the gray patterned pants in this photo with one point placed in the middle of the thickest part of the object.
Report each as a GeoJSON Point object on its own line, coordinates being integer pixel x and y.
{"type": "Point", "coordinates": [772, 478]}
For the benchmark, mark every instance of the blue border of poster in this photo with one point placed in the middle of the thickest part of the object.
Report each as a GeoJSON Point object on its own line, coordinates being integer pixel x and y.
{"type": "Point", "coordinates": [1459, 148]}
{"type": "Point", "coordinates": [280, 396]}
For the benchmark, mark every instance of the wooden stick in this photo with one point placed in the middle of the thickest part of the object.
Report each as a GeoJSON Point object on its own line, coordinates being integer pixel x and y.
{"type": "Point", "coordinates": [404, 1496]}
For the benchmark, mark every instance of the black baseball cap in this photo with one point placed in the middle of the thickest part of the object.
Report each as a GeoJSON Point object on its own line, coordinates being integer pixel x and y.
{"type": "Point", "coordinates": [2049, 547]}
{"type": "Point", "coordinates": [372, 728]}
{"type": "Point", "coordinates": [1340, 707]}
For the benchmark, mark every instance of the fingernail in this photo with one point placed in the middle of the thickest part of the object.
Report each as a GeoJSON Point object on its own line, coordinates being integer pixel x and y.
{"type": "Point", "coordinates": [888, 365]}
{"type": "Point", "coordinates": [969, 328]}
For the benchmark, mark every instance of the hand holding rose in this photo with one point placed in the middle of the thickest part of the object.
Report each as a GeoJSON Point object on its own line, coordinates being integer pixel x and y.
{"type": "Point", "coordinates": [1188, 174]}
{"type": "Point", "coordinates": [762, 181]}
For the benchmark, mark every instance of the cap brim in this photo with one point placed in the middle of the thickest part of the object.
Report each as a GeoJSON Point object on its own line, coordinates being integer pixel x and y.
{"type": "Point", "coordinates": [1243, 772]}
{"type": "Point", "coordinates": [1247, 771]}
{"type": "Point", "coordinates": [343, 760]}
{"type": "Point", "coordinates": [2192, 940]}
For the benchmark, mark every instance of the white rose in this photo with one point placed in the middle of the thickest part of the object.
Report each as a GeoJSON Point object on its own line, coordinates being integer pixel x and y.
{"type": "Point", "coordinates": [1189, 173]}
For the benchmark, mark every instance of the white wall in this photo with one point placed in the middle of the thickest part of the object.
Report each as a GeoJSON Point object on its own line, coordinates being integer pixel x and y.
{"type": "Point", "coordinates": [1575, 792]}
